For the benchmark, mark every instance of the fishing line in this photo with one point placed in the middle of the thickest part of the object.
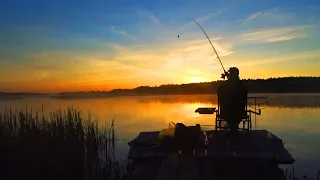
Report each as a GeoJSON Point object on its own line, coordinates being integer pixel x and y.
{"type": "Point", "coordinates": [261, 104]}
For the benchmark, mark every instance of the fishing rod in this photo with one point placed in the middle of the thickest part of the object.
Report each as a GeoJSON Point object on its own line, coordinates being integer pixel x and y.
{"type": "Point", "coordinates": [225, 72]}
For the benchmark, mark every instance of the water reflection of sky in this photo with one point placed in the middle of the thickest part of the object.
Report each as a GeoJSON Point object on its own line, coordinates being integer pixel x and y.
{"type": "Point", "coordinates": [293, 118]}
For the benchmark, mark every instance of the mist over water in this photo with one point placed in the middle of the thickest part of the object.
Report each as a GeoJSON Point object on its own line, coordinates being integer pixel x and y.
{"type": "Point", "coordinates": [295, 118]}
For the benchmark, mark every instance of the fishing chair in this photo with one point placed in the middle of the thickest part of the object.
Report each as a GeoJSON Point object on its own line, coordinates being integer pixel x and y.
{"type": "Point", "coordinates": [221, 122]}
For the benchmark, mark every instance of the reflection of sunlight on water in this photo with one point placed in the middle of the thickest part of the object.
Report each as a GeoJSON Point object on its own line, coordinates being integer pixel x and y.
{"type": "Point", "coordinates": [193, 116]}
{"type": "Point", "coordinates": [189, 109]}
{"type": "Point", "coordinates": [190, 117]}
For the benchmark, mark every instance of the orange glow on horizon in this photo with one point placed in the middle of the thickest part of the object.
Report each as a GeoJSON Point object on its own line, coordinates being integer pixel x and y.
{"type": "Point", "coordinates": [196, 80]}
{"type": "Point", "coordinates": [101, 75]}
{"type": "Point", "coordinates": [147, 52]}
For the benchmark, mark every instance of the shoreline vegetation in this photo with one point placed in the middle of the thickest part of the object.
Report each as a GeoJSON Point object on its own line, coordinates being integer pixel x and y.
{"type": "Point", "coordinates": [271, 85]}
{"type": "Point", "coordinates": [62, 146]}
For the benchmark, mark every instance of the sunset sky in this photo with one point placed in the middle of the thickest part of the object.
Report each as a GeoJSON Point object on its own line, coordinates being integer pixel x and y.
{"type": "Point", "coordinates": [71, 45]}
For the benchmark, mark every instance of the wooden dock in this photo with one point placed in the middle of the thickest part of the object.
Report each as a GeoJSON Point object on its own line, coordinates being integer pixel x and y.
{"type": "Point", "coordinates": [256, 151]}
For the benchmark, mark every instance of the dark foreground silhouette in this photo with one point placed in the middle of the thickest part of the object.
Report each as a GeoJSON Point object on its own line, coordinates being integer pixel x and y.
{"type": "Point", "coordinates": [62, 146]}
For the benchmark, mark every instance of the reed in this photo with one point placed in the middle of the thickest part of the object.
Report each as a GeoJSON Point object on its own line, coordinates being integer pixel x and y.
{"type": "Point", "coordinates": [291, 175]}
{"type": "Point", "coordinates": [60, 145]}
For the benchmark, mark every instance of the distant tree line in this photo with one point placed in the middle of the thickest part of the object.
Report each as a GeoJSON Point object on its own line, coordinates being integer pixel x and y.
{"type": "Point", "coordinates": [284, 85]}
{"type": "Point", "coordinates": [271, 85]}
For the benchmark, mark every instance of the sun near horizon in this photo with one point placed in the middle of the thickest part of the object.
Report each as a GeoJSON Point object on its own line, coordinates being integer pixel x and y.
{"type": "Point", "coordinates": [106, 45]}
{"type": "Point", "coordinates": [196, 80]}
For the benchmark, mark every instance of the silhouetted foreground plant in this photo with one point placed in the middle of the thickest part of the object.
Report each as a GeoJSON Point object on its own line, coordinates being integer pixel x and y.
{"type": "Point", "coordinates": [291, 175]}
{"type": "Point", "coordinates": [60, 146]}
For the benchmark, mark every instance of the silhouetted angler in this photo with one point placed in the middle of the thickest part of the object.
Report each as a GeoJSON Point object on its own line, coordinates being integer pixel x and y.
{"type": "Point", "coordinates": [232, 99]}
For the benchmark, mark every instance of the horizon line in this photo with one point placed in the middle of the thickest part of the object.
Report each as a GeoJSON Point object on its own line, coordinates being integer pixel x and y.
{"type": "Point", "coordinates": [21, 92]}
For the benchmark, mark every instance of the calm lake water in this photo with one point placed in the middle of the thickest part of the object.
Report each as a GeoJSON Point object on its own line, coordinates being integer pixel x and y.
{"type": "Point", "coordinates": [294, 118]}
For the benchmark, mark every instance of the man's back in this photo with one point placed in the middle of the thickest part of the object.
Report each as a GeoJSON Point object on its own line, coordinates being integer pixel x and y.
{"type": "Point", "coordinates": [232, 99]}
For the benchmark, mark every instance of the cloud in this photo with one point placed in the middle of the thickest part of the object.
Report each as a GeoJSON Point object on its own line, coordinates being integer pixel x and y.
{"type": "Point", "coordinates": [204, 40]}
{"type": "Point", "coordinates": [69, 70]}
{"type": "Point", "coordinates": [116, 63]}
{"type": "Point", "coordinates": [269, 16]}
{"type": "Point", "coordinates": [254, 16]}
{"type": "Point", "coordinates": [121, 32]}
{"type": "Point", "coordinates": [206, 17]}
{"type": "Point", "coordinates": [203, 47]}
{"type": "Point", "coordinates": [275, 34]}
{"type": "Point", "coordinates": [149, 16]}
{"type": "Point", "coordinates": [155, 30]}
{"type": "Point", "coordinates": [153, 60]}
{"type": "Point", "coordinates": [200, 20]}
{"type": "Point", "coordinates": [282, 58]}
{"type": "Point", "coordinates": [143, 59]}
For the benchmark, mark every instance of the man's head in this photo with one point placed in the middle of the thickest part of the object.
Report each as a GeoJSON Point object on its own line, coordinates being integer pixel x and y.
{"type": "Point", "coordinates": [233, 72]}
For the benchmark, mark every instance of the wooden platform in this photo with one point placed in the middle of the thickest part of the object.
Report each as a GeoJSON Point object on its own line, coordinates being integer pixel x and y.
{"type": "Point", "coordinates": [252, 145]}
{"type": "Point", "coordinates": [253, 155]}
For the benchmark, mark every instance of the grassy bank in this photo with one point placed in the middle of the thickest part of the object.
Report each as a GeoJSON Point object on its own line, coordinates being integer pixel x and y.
{"type": "Point", "coordinates": [60, 145]}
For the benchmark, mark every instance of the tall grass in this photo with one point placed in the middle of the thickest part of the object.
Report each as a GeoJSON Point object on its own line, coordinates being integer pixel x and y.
{"type": "Point", "coordinates": [292, 176]}
{"type": "Point", "coordinates": [61, 145]}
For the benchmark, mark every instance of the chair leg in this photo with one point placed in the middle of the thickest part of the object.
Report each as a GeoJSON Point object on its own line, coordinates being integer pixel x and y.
{"type": "Point", "coordinates": [216, 126]}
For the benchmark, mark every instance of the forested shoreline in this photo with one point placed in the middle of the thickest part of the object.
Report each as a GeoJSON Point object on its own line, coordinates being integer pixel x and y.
{"type": "Point", "coordinates": [271, 85]}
